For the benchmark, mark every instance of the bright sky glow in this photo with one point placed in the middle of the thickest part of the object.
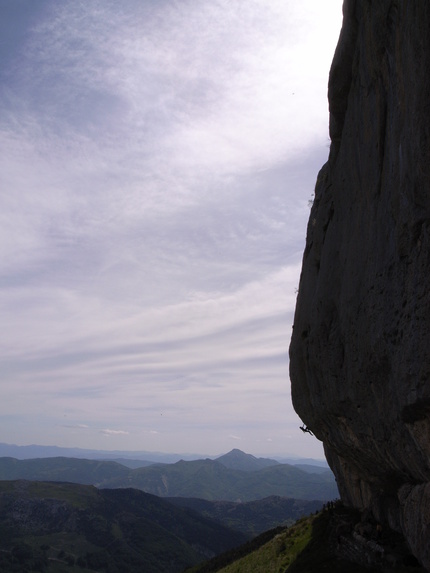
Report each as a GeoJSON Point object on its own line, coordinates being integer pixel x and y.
{"type": "Point", "coordinates": [157, 161]}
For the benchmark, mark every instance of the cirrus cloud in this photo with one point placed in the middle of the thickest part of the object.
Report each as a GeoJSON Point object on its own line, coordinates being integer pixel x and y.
{"type": "Point", "coordinates": [157, 162]}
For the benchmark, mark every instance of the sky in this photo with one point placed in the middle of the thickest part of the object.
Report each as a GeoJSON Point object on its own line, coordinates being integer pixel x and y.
{"type": "Point", "coordinates": [158, 158]}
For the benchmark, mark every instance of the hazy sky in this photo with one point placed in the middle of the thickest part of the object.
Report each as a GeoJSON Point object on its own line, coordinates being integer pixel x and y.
{"type": "Point", "coordinates": [157, 159]}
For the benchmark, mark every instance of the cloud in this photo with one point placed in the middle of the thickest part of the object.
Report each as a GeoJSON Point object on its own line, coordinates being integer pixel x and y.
{"type": "Point", "coordinates": [108, 432]}
{"type": "Point", "coordinates": [158, 158]}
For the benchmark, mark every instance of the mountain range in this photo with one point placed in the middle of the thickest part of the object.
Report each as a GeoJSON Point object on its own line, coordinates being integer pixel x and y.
{"type": "Point", "coordinates": [53, 519]}
{"type": "Point", "coordinates": [206, 479]}
{"type": "Point", "coordinates": [135, 458]}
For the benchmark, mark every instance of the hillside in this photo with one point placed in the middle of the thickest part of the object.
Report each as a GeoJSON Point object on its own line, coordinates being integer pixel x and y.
{"type": "Point", "coordinates": [46, 526]}
{"type": "Point", "coordinates": [206, 479]}
{"type": "Point", "coordinates": [334, 540]}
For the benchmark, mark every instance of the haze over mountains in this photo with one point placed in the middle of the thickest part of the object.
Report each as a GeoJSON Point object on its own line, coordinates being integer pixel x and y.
{"type": "Point", "coordinates": [128, 457]}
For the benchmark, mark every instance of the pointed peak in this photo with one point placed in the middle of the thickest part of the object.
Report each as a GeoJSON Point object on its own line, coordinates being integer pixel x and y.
{"type": "Point", "coordinates": [238, 460]}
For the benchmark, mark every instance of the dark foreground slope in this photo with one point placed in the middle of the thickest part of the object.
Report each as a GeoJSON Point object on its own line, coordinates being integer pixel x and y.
{"type": "Point", "coordinates": [47, 526]}
{"type": "Point", "coordinates": [360, 352]}
{"type": "Point", "coordinates": [335, 540]}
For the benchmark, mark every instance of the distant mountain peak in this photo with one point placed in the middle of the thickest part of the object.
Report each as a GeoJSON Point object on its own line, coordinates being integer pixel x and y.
{"type": "Point", "coordinates": [237, 452]}
{"type": "Point", "coordinates": [238, 460]}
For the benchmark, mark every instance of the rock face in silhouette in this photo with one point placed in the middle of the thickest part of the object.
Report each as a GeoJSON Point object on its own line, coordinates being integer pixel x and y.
{"type": "Point", "coordinates": [360, 351]}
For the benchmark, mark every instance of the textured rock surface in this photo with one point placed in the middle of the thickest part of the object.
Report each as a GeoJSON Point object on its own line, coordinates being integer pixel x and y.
{"type": "Point", "coordinates": [360, 351]}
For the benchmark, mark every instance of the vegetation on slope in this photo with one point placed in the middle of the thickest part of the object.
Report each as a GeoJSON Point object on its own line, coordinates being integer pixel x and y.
{"type": "Point", "coordinates": [327, 541]}
{"type": "Point", "coordinates": [271, 552]}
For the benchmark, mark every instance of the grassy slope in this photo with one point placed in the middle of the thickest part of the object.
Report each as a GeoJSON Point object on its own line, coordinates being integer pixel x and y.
{"type": "Point", "coordinates": [305, 547]}
{"type": "Point", "coordinates": [271, 552]}
{"type": "Point", "coordinates": [276, 555]}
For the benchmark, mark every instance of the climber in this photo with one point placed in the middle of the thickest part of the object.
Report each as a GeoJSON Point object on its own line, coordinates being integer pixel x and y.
{"type": "Point", "coordinates": [306, 429]}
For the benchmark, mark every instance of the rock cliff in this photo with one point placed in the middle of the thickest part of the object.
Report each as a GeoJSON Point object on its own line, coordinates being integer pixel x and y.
{"type": "Point", "coordinates": [360, 350]}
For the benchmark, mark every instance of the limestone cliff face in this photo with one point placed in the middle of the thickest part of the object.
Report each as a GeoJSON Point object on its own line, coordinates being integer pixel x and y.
{"type": "Point", "coordinates": [360, 351]}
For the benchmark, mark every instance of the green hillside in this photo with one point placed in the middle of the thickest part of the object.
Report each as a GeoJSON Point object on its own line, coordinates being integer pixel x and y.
{"type": "Point", "coordinates": [50, 526]}
{"type": "Point", "coordinates": [327, 541]}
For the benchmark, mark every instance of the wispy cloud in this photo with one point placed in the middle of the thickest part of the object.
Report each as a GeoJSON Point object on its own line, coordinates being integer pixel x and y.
{"type": "Point", "coordinates": [108, 432]}
{"type": "Point", "coordinates": [157, 161]}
